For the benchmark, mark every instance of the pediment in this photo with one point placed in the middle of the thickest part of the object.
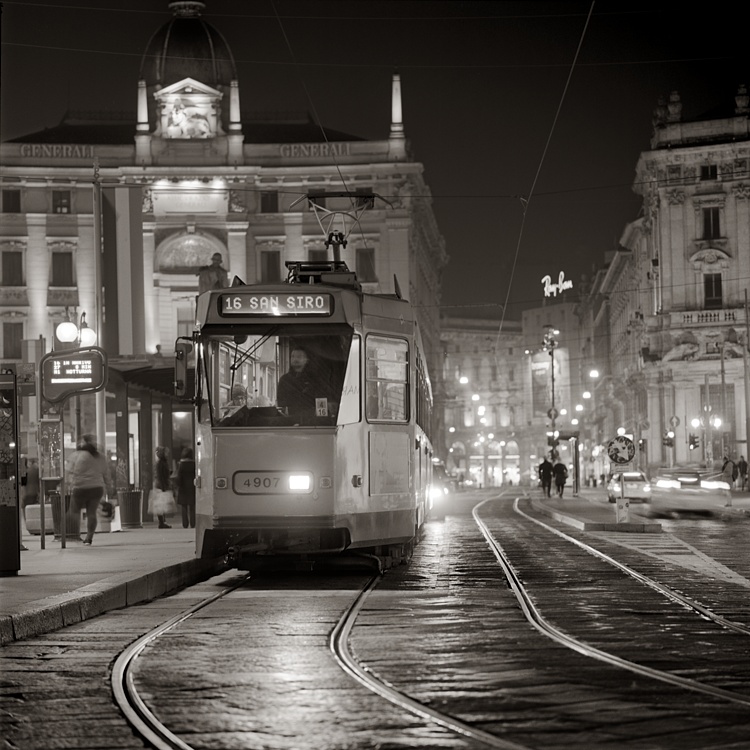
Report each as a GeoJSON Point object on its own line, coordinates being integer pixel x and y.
{"type": "Point", "coordinates": [187, 86]}
{"type": "Point", "coordinates": [709, 256]}
{"type": "Point", "coordinates": [188, 110]}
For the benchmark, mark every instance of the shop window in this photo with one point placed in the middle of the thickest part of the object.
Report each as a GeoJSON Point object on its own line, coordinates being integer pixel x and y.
{"type": "Point", "coordinates": [270, 266]}
{"type": "Point", "coordinates": [11, 201]}
{"type": "Point", "coordinates": [712, 291]}
{"type": "Point", "coordinates": [12, 268]}
{"type": "Point", "coordinates": [12, 340]}
{"type": "Point", "coordinates": [61, 272]}
{"type": "Point", "coordinates": [61, 201]}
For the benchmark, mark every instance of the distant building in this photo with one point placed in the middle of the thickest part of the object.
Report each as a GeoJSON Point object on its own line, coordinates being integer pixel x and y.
{"type": "Point", "coordinates": [189, 177]}
{"type": "Point", "coordinates": [668, 315]}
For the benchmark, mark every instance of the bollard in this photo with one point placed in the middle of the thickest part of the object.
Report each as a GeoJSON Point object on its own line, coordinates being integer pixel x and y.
{"type": "Point", "coordinates": [622, 510]}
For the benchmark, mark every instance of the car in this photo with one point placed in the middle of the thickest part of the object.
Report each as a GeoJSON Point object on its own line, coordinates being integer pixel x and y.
{"type": "Point", "coordinates": [439, 492]}
{"type": "Point", "coordinates": [637, 487]}
{"type": "Point", "coordinates": [689, 489]}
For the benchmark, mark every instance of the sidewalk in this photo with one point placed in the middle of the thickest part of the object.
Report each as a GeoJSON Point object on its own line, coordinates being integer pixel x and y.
{"type": "Point", "coordinates": [56, 587]}
{"type": "Point", "coordinates": [591, 511]}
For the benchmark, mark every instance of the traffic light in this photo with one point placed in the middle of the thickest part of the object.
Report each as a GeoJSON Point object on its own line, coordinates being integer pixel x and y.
{"type": "Point", "coordinates": [668, 439]}
{"type": "Point", "coordinates": [694, 442]}
{"type": "Point", "coordinates": [642, 445]}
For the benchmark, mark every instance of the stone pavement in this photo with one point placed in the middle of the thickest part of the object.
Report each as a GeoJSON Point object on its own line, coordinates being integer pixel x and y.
{"type": "Point", "coordinates": [56, 587]}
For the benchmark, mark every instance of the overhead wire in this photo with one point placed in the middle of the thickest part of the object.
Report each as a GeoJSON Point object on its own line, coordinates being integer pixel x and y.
{"type": "Point", "coordinates": [526, 200]}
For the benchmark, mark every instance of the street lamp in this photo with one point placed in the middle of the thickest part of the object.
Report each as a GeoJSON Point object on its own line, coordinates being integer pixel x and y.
{"type": "Point", "coordinates": [549, 342]}
{"type": "Point", "coordinates": [79, 335]}
{"type": "Point", "coordinates": [74, 336]}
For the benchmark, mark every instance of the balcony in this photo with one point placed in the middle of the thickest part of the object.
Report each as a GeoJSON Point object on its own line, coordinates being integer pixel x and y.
{"type": "Point", "coordinates": [696, 318]}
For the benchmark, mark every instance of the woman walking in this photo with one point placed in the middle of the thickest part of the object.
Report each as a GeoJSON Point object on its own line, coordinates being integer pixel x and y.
{"type": "Point", "coordinates": [161, 482]}
{"type": "Point", "coordinates": [186, 488]}
{"type": "Point", "coordinates": [88, 479]}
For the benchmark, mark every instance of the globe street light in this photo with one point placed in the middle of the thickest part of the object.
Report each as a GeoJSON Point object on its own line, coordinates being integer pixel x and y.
{"type": "Point", "coordinates": [79, 335]}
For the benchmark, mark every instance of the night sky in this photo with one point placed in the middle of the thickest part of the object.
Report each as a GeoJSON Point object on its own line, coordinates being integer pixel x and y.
{"type": "Point", "coordinates": [482, 83]}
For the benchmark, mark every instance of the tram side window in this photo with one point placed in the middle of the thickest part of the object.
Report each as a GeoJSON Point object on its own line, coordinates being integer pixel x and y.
{"type": "Point", "coordinates": [387, 384]}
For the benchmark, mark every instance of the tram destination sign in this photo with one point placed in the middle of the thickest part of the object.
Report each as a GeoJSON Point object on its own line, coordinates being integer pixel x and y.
{"type": "Point", "coordinates": [281, 304]}
{"type": "Point", "coordinates": [75, 371]}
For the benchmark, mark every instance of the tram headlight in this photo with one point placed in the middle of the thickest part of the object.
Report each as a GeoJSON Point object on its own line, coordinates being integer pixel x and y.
{"type": "Point", "coordinates": [299, 482]}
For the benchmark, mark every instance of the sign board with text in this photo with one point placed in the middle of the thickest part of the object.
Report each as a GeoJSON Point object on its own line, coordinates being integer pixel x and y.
{"type": "Point", "coordinates": [67, 373]}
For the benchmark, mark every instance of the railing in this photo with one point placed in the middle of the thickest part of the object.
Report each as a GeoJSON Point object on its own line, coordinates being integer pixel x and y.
{"type": "Point", "coordinates": [733, 316]}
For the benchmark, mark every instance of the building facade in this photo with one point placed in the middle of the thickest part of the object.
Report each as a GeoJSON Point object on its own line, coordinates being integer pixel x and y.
{"type": "Point", "coordinates": [667, 315]}
{"type": "Point", "coordinates": [115, 218]}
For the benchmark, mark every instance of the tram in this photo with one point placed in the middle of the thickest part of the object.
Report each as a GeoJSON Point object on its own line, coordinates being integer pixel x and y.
{"type": "Point", "coordinates": [330, 451]}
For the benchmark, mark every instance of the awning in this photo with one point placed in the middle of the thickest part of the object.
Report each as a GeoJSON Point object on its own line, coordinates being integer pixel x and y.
{"type": "Point", "coordinates": [156, 379]}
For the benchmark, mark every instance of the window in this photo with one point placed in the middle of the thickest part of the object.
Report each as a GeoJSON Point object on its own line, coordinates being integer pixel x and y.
{"type": "Point", "coordinates": [12, 268]}
{"type": "Point", "coordinates": [366, 264]}
{"type": "Point", "coordinates": [61, 201]}
{"type": "Point", "coordinates": [11, 201]}
{"type": "Point", "coordinates": [61, 272]}
{"type": "Point", "coordinates": [711, 227]}
{"type": "Point", "coordinates": [269, 202]}
{"type": "Point", "coordinates": [12, 340]}
{"type": "Point", "coordinates": [387, 379]}
{"type": "Point", "coordinates": [270, 266]}
{"type": "Point", "coordinates": [712, 291]}
{"type": "Point", "coordinates": [708, 172]}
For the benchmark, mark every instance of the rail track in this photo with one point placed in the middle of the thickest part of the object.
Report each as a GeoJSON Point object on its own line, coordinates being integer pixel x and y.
{"type": "Point", "coordinates": [554, 597]}
{"type": "Point", "coordinates": [534, 612]}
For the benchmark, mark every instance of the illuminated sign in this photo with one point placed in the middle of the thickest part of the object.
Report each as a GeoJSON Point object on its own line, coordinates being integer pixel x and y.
{"type": "Point", "coordinates": [75, 371]}
{"type": "Point", "coordinates": [283, 304]}
{"type": "Point", "coordinates": [551, 288]}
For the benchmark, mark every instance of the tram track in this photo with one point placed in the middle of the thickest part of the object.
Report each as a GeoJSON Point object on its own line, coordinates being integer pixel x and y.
{"type": "Point", "coordinates": [144, 721]}
{"type": "Point", "coordinates": [536, 617]}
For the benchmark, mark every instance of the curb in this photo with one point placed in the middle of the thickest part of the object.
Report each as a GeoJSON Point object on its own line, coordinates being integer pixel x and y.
{"type": "Point", "coordinates": [115, 592]}
{"type": "Point", "coordinates": [641, 527]}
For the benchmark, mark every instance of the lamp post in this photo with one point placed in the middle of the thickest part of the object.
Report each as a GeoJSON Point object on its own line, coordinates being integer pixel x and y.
{"type": "Point", "coordinates": [72, 337]}
{"type": "Point", "coordinates": [549, 342]}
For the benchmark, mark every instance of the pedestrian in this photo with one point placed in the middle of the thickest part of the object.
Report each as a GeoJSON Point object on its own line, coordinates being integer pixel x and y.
{"type": "Point", "coordinates": [160, 499]}
{"type": "Point", "coordinates": [742, 468]}
{"type": "Point", "coordinates": [30, 484]}
{"type": "Point", "coordinates": [561, 474]}
{"type": "Point", "coordinates": [186, 487]}
{"type": "Point", "coordinates": [729, 471]}
{"type": "Point", "coordinates": [545, 475]}
{"type": "Point", "coordinates": [88, 482]}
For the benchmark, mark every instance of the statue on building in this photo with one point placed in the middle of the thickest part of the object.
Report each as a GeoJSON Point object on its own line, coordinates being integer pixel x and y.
{"type": "Point", "coordinates": [214, 276]}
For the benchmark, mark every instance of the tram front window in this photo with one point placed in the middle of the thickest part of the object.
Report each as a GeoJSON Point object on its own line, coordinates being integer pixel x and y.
{"type": "Point", "coordinates": [287, 379]}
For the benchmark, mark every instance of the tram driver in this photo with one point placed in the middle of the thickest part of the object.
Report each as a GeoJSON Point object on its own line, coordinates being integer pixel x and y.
{"type": "Point", "coordinates": [301, 392]}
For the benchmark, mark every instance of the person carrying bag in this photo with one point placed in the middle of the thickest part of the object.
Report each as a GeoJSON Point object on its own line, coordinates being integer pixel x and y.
{"type": "Point", "coordinates": [161, 500]}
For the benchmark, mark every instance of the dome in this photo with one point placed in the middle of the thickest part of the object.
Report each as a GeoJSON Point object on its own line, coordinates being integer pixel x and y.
{"type": "Point", "coordinates": [187, 47]}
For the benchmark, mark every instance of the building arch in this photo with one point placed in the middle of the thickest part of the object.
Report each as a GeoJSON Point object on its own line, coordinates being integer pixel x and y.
{"type": "Point", "coordinates": [186, 252]}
